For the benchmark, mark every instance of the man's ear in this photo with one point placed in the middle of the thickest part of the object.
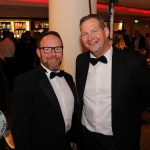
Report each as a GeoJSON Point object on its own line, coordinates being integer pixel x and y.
{"type": "Point", "coordinates": [38, 52]}
{"type": "Point", "coordinates": [106, 30]}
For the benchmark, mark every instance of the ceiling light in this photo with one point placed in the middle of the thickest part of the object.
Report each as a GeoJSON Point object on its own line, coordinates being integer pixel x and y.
{"type": "Point", "coordinates": [136, 21]}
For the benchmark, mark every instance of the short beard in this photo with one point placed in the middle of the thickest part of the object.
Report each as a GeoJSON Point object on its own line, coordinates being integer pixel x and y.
{"type": "Point", "coordinates": [52, 68]}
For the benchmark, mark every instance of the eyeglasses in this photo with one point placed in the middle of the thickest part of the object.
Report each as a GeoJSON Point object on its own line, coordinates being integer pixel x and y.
{"type": "Point", "coordinates": [47, 50]}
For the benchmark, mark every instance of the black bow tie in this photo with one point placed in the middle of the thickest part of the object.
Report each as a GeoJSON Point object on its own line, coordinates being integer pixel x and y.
{"type": "Point", "coordinates": [59, 74]}
{"type": "Point", "coordinates": [102, 59]}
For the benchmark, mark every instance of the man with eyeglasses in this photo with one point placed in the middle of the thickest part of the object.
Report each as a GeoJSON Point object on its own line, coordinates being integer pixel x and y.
{"type": "Point", "coordinates": [45, 102]}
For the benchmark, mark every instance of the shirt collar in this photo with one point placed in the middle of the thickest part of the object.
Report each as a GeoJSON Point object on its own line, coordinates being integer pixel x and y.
{"type": "Point", "coordinates": [108, 54]}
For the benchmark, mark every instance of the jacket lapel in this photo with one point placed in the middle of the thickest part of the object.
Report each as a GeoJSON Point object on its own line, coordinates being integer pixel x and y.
{"type": "Point", "coordinates": [84, 72]}
{"type": "Point", "coordinates": [71, 85]}
{"type": "Point", "coordinates": [49, 91]}
{"type": "Point", "coordinates": [117, 73]}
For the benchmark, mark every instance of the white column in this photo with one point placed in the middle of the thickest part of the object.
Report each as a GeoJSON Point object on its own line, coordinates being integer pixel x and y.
{"type": "Point", "coordinates": [64, 17]}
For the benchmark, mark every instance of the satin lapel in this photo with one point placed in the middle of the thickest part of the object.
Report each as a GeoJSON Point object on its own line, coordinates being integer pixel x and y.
{"type": "Point", "coordinates": [49, 92]}
{"type": "Point", "coordinates": [118, 67]}
{"type": "Point", "coordinates": [84, 72]}
{"type": "Point", "coordinates": [71, 85]}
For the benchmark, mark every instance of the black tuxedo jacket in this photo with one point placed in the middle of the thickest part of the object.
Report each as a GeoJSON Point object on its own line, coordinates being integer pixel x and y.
{"type": "Point", "coordinates": [130, 94]}
{"type": "Point", "coordinates": [38, 123]}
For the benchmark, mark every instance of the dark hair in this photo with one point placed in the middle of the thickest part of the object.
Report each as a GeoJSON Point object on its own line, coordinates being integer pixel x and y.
{"type": "Point", "coordinates": [98, 17]}
{"type": "Point", "coordinates": [49, 33]}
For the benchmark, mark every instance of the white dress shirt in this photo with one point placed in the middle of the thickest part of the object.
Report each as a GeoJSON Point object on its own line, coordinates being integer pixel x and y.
{"type": "Point", "coordinates": [65, 97]}
{"type": "Point", "coordinates": [96, 115]}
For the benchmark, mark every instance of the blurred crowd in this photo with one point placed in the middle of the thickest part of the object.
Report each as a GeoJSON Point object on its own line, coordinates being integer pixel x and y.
{"type": "Point", "coordinates": [18, 55]}
{"type": "Point", "coordinates": [138, 43]}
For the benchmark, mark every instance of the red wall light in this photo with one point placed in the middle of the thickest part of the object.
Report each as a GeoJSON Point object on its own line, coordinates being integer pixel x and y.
{"type": "Point", "coordinates": [34, 1]}
{"type": "Point", "coordinates": [125, 9]}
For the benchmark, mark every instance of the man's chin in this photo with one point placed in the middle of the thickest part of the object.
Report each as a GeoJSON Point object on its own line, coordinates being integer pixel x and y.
{"type": "Point", "coordinates": [55, 68]}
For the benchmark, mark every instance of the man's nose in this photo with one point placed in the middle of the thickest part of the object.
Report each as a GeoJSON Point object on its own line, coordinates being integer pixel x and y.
{"type": "Point", "coordinates": [89, 37]}
{"type": "Point", "coordinates": [53, 52]}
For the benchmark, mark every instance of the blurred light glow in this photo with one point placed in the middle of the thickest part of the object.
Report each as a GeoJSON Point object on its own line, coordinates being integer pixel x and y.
{"type": "Point", "coordinates": [125, 9]}
{"type": "Point", "coordinates": [136, 21]}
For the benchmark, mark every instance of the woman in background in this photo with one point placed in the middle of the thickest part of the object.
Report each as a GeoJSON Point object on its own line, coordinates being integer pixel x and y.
{"type": "Point", "coordinates": [119, 42]}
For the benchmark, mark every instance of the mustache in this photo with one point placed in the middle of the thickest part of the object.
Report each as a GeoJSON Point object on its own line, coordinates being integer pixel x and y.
{"type": "Point", "coordinates": [51, 58]}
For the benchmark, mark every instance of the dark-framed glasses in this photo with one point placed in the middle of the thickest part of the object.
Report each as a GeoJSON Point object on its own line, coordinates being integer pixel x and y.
{"type": "Point", "coordinates": [47, 50]}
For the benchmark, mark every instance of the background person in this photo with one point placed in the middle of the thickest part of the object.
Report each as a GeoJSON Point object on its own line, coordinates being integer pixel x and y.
{"type": "Point", "coordinates": [119, 43]}
{"type": "Point", "coordinates": [24, 55]}
{"type": "Point", "coordinates": [44, 106]}
{"type": "Point", "coordinates": [4, 99]}
{"type": "Point", "coordinates": [138, 41]}
{"type": "Point", "coordinates": [7, 50]}
{"type": "Point", "coordinates": [112, 93]}
{"type": "Point", "coordinates": [148, 43]}
{"type": "Point", "coordinates": [125, 37]}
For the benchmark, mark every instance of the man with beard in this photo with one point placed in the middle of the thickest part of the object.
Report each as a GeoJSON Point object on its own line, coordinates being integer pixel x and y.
{"type": "Point", "coordinates": [45, 101]}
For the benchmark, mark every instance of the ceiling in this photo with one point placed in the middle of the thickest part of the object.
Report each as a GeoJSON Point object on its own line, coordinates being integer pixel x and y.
{"type": "Point", "coordinates": [141, 4]}
{"type": "Point", "coordinates": [136, 8]}
{"type": "Point", "coordinates": [32, 3]}
{"type": "Point", "coordinates": [142, 7]}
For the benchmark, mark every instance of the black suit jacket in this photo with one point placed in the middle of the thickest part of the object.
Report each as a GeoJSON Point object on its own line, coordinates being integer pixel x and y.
{"type": "Point", "coordinates": [4, 95]}
{"type": "Point", "coordinates": [141, 44]}
{"type": "Point", "coordinates": [38, 123]}
{"type": "Point", "coordinates": [130, 94]}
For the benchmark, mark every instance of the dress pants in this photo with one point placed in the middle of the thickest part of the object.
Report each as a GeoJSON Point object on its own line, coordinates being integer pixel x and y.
{"type": "Point", "coordinates": [96, 141]}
